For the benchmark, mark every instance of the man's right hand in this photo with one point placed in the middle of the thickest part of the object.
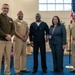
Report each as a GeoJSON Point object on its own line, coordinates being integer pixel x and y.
{"type": "Point", "coordinates": [8, 37]}
{"type": "Point", "coordinates": [31, 43]}
{"type": "Point", "coordinates": [24, 39]}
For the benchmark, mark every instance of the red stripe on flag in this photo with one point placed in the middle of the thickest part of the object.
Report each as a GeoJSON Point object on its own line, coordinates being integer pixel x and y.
{"type": "Point", "coordinates": [71, 17]}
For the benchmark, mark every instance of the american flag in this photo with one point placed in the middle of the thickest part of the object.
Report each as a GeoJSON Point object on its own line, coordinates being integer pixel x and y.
{"type": "Point", "coordinates": [73, 5]}
{"type": "Point", "coordinates": [72, 11]}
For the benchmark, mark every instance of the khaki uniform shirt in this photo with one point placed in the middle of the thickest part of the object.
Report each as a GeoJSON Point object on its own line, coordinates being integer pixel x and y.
{"type": "Point", "coordinates": [21, 27]}
{"type": "Point", "coordinates": [73, 34]}
{"type": "Point", "coordinates": [73, 30]}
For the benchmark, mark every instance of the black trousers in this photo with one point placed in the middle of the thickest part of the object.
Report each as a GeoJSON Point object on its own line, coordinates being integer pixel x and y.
{"type": "Point", "coordinates": [42, 47]}
{"type": "Point", "coordinates": [57, 53]}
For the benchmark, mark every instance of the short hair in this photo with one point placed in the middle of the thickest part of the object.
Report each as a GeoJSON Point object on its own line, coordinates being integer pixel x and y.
{"type": "Point", "coordinates": [20, 12]}
{"type": "Point", "coordinates": [38, 14]}
{"type": "Point", "coordinates": [5, 4]}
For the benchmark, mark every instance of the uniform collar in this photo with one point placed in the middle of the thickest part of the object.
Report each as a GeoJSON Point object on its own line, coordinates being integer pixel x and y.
{"type": "Point", "coordinates": [3, 15]}
{"type": "Point", "coordinates": [19, 20]}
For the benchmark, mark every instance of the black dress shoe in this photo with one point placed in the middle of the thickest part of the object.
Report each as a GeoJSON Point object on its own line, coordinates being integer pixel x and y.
{"type": "Point", "coordinates": [34, 71]}
{"type": "Point", "coordinates": [60, 71]}
{"type": "Point", "coordinates": [72, 71]}
{"type": "Point", "coordinates": [55, 70]}
{"type": "Point", "coordinates": [45, 71]}
{"type": "Point", "coordinates": [26, 71]}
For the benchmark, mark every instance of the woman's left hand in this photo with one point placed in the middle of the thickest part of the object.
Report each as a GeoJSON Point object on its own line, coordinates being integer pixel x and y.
{"type": "Point", "coordinates": [64, 46]}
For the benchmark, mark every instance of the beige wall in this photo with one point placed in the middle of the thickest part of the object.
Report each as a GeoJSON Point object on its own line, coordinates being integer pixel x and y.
{"type": "Point", "coordinates": [30, 8]}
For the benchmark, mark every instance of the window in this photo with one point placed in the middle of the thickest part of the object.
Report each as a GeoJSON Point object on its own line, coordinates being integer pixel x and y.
{"type": "Point", "coordinates": [54, 5]}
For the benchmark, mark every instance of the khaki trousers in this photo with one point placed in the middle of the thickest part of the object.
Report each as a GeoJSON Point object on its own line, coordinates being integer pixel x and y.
{"type": "Point", "coordinates": [20, 56]}
{"type": "Point", "coordinates": [5, 48]}
{"type": "Point", "coordinates": [73, 53]}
